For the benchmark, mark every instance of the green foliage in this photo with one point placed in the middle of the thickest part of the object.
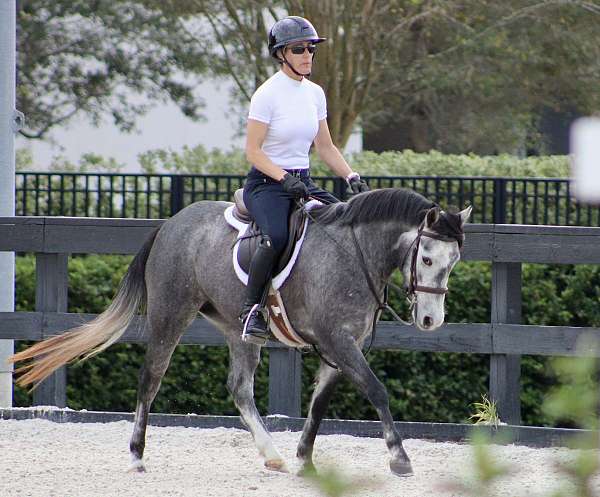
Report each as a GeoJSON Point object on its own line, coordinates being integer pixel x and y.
{"type": "Point", "coordinates": [25, 283]}
{"type": "Point", "coordinates": [439, 164]}
{"type": "Point", "coordinates": [485, 469]}
{"type": "Point", "coordinates": [574, 398]}
{"type": "Point", "coordinates": [194, 160]}
{"type": "Point", "coordinates": [93, 281]}
{"type": "Point", "coordinates": [486, 412]}
{"type": "Point", "coordinates": [423, 386]}
{"type": "Point", "coordinates": [462, 62]}
{"type": "Point", "coordinates": [96, 59]}
{"type": "Point", "coordinates": [24, 159]}
{"type": "Point", "coordinates": [478, 75]}
{"type": "Point", "coordinates": [88, 163]}
{"type": "Point", "coordinates": [198, 160]}
{"type": "Point", "coordinates": [332, 483]}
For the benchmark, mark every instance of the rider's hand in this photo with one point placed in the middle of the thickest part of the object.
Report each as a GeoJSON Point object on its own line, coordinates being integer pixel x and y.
{"type": "Point", "coordinates": [294, 186]}
{"type": "Point", "coordinates": [357, 184]}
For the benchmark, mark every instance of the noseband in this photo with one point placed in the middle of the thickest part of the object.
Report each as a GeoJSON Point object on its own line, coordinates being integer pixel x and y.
{"type": "Point", "coordinates": [413, 285]}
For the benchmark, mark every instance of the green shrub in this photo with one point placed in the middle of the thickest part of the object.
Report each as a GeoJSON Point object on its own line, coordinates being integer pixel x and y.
{"type": "Point", "coordinates": [198, 160]}
{"type": "Point", "coordinates": [422, 386]}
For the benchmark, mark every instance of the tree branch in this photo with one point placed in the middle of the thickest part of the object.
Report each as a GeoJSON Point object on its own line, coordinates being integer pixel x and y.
{"type": "Point", "coordinates": [516, 15]}
{"type": "Point", "coordinates": [222, 44]}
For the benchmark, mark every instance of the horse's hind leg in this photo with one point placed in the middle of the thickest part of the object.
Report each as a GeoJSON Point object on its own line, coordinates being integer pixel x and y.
{"type": "Point", "coordinates": [327, 380]}
{"type": "Point", "coordinates": [165, 331]}
{"type": "Point", "coordinates": [244, 358]}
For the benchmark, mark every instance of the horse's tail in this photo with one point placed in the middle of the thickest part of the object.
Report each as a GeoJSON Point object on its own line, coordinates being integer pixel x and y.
{"type": "Point", "coordinates": [90, 338]}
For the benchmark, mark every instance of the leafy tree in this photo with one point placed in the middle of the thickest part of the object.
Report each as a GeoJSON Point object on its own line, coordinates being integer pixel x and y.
{"type": "Point", "coordinates": [477, 75]}
{"type": "Point", "coordinates": [449, 74]}
{"type": "Point", "coordinates": [440, 68]}
{"type": "Point", "coordinates": [94, 58]}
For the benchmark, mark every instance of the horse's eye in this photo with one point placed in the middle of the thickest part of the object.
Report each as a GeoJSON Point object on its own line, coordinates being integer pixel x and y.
{"type": "Point", "coordinates": [427, 261]}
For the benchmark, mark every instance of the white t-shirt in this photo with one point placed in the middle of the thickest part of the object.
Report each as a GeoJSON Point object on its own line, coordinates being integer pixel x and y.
{"type": "Point", "coordinates": [292, 109]}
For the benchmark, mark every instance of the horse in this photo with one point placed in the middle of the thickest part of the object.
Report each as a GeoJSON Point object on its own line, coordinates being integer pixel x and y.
{"type": "Point", "coordinates": [332, 296]}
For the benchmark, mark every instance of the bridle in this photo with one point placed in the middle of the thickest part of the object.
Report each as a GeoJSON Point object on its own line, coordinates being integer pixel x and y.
{"type": "Point", "coordinates": [413, 284]}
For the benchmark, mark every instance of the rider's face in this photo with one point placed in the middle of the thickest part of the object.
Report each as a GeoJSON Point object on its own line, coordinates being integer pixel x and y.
{"type": "Point", "coordinates": [301, 62]}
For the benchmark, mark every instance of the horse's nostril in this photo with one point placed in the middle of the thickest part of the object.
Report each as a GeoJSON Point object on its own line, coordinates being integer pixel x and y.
{"type": "Point", "coordinates": [427, 321]}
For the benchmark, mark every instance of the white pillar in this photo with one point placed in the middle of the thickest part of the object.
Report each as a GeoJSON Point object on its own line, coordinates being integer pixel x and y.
{"type": "Point", "coordinates": [7, 179]}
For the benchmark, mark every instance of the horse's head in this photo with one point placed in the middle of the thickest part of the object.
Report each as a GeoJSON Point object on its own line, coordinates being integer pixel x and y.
{"type": "Point", "coordinates": [427, 265]}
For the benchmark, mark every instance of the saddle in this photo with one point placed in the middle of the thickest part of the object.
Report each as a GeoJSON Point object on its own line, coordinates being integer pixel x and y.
{"type": "Point", "coordinates": [249, 234]}
{"type": "Point", "coordinates": [250, 238]}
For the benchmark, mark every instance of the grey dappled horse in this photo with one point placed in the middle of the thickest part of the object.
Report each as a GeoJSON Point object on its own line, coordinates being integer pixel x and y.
{"type": "Point", "coordinates": [185, 267]}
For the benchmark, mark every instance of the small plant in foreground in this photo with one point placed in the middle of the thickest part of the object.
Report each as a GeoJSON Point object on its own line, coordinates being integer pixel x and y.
{"type": "Point", "coordinates": [486, 413]}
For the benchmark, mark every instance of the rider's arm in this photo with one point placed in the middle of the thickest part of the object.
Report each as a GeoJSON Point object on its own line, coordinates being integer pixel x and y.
{"type": "Point", "coordinates": [255, 136]}
{"type": "Point", "coordinates": [329, 153]}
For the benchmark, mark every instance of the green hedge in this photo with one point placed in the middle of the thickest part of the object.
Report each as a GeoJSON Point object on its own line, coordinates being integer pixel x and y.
{"type": "Point", "coordinates": [423, 386]}
{"type": "Point", "coordinates": [198, 160]}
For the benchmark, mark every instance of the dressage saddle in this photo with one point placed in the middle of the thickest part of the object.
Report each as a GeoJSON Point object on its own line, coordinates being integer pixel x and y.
{"type": "Point", "coordinates": [249, 240]}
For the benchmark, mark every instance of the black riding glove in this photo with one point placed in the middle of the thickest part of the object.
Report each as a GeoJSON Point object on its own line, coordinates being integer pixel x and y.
{"type": "Point", "coordinates": [294, 186]}
{"type": "Point", "coordinates": [357, 184]}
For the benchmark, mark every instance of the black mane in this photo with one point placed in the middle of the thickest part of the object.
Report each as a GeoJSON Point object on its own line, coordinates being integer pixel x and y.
{"type": "Point", "coordinates": [389, 204]}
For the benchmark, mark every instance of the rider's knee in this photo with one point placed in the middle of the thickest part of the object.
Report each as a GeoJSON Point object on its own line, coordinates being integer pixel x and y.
{"type": "Point", "coordinates": [278, 241]}
{"type": "Point", "coordinates": [267, 246]}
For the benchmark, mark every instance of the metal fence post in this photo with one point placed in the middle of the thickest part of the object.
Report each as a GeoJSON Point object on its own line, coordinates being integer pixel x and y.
{"type": "Point", "coordinates": [285, 381]}
{"type": "Point", "coordinates": [340, 189]}
{"type": "Point", "coordinates": [177, 188]}
{"type": "Point", "coordinates": [505, 370]}
{"type": "Point", "coordinates": [51, 296]}
{"type": "Point", "coordinates": [499, 201]}
{"type": "Point", "coordinates": [8, 128]}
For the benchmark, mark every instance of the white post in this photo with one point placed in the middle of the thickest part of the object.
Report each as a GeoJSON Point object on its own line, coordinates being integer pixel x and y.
{"type": "Point", "coordinates": [7, 180]}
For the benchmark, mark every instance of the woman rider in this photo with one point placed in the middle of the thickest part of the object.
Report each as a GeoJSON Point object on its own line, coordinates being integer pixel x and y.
{"type": "Point", "coordinates": [287, 114]}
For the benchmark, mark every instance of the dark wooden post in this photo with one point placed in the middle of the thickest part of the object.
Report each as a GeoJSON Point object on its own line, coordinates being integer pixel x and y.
{"type": "Point", "coordinates": [51, 289]}
{"type": "Point", "coordinates": [505, 370]}
{"type": "Point", "coordinates": [285, 381]}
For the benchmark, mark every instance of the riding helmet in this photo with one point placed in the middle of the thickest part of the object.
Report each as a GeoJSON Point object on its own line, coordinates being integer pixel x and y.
{"type": "Point", "coordinates": [289, 30]}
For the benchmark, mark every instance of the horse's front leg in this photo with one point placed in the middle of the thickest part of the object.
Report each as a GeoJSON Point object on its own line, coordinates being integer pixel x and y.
{"type": "Point", "coordinates": [346, 353]}
{"type": "Point", "coordinates": [327, 379]}
{"type": "Point", "coordinates": [244, 358]}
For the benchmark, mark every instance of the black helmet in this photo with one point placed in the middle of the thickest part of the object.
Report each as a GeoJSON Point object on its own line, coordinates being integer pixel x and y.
{"type": "Point", "coordinates": [289, 30]}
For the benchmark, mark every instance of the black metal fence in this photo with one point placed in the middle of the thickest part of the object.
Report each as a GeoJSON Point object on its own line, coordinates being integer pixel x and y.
{"type": "Point", "coordinates": [494, 199]}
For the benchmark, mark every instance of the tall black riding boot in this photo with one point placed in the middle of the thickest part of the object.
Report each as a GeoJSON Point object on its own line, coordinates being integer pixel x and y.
{"type": "Point", "coordinates": [255, 329]}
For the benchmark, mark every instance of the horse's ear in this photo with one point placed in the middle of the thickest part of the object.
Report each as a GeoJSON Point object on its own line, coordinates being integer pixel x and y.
{"type": "Point", "coordinates": [465, 214]}
{"type": "Point", "coordinates": [432, 216]}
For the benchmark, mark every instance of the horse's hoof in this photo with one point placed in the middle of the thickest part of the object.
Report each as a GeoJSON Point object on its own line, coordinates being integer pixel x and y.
{"type": "Point", "coordinates": [401, 468]}
{"type": "Point", "coordinates": [307, 469]}
{"type": "Point", "coordinates": [276, 465]}
{"type": "Point", "coordinates": [137, 466]}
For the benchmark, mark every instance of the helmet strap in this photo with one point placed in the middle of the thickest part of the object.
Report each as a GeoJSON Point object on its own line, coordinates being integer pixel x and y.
{"type": "Point", "coordinates": [307, 76]}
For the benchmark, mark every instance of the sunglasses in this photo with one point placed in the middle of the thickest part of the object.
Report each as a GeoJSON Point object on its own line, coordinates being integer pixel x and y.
{"type": "Point", "coordinates": [299, 49]}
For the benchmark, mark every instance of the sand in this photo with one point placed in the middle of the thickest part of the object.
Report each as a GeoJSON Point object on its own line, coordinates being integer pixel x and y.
{"type": "Point", "coordinates": [40, 458]}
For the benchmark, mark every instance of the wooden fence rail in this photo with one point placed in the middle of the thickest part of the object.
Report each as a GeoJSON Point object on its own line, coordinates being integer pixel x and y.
{"type": "Point", "coordinates": [503, 338]}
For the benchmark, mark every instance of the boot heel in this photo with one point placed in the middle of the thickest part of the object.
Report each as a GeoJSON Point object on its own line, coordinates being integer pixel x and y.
{"type": "Point", "coordinates": [256, 340]}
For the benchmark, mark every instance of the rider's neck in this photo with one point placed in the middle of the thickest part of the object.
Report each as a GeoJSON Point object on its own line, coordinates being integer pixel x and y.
{"type": "Point", "coordinates": [289, 73]}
